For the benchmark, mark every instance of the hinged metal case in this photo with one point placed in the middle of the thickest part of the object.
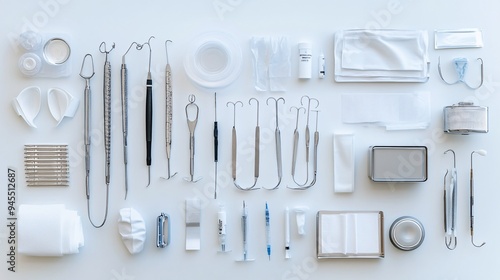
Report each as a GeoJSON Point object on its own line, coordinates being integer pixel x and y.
{"type": "Point", "coordinates": [465, 118]}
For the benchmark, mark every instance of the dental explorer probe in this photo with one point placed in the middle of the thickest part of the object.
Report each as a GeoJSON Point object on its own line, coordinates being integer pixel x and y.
{"type": "Point", "coordinates": [149, 114]}
{"type": "Point", "coordinates": [471, 206]}
{"type": "Point", "coordinates": [168, 112]}
{"type": "Point", "coordinates": [107, 108]}
{"type": "Point", "coordinates": [124, 96]}
{"type": "Point", "coordinates": [87, 138]}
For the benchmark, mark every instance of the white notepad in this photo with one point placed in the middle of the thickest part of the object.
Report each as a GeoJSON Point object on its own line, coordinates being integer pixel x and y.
{"type": "Point", "coordinates": [350, 234]}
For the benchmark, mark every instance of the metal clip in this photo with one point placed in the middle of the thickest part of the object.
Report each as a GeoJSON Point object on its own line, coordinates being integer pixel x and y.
{"type": "Point", "coordinates": [162, 234]}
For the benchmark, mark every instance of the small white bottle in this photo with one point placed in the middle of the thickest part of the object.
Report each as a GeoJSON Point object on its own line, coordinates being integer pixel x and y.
{"type": "Point", "coordinates": [305, 60]}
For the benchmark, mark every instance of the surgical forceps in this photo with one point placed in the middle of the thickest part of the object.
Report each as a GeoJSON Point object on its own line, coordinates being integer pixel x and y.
{"type": "Point", "coordinates": [234, 149]}
{"type": "Point", "coordinates": [296, 144]}
{"type": "Point", "coordinates": [315, 154]}
{"type": "Point", "coordinates": [277, 136]}
{"type": "Point", "coordinates": [450, 205]}
{"type": "Point", "coordinates": [149, 113]}
{"type": "Point", "coordinates": [87, 138]}
{"type": "Point", "coordinates": [124, 99]}
{"type": "Point", "coordinates": [168, 112]}
{"type": "Point", "coordinates": [191, 122]}
{"type": "Point", "coordinates": [471, 206]}
{"type": "Point", "coordinates": [461, 65]}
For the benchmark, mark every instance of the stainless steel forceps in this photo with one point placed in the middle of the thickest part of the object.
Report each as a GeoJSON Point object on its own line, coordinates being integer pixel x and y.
{"type": "Point", "coordinates": [192, 122]}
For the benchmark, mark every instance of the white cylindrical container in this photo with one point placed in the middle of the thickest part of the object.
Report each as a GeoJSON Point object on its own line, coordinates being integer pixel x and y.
{"type": "Point", "coordinates": [305, 60]}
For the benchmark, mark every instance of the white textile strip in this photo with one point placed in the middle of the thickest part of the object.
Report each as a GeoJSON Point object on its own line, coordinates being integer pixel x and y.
{"type": "Point", "coordinates": [381, 56]}
{"type": "Point", "coordinates": [193, 219]}
{"type": "Point", "coordinates": [49, 230]}
{"type": "Point", "coordinates": [394, 111]}
{"type": "Point", "coordinates": [343, 163]}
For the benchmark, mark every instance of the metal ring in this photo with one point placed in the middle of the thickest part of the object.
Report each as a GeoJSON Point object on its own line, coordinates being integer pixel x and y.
{"type": "Point", "coordinates": [56, 51]}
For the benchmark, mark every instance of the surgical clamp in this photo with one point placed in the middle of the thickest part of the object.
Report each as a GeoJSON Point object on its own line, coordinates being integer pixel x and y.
{"type": "Point", "coordinates": [149, 113]}
{"type": "Point", "coordinates": [471, 206]}
{"type": "Point", "coordinates": [124, 99]}
{"type": "Point", "coordinates": [87, 138]}
{"type": "Point", "coordinates": [192, 126]}
{"type": "Point", "coordinates": [450, 205]}
{"type": "Point", "coordinates": [168, 112]}
{"type": "Point", "coordinates": [315, 154]}
{"type": "Point", "coordinates": [277, 136]}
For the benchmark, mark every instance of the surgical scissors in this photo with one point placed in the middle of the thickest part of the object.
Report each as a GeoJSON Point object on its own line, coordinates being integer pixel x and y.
{"type": "Point", "coordinates": [450, 205]}
{"type": "Point", "coordinates": [168, 112]}
{"type": "Point", "coordinates": [192, 122]}
{"type": "Point", "coordinates": [277, 136]}
{"type": "Point", "coordinates": [87, 138]}
{"type": "Point", "coordinates": [471, 206]}
{"type": "Point", "coordinates": [461, 65]}
{"type": "Point", "coordinates": [124, 99]}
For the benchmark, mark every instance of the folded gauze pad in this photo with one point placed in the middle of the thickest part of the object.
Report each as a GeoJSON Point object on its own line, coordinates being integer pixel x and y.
{"type": "Point", "coordinates": [132, 228]}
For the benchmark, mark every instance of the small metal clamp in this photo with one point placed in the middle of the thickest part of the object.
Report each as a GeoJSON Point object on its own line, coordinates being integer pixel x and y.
{"type": "Point", "coordinates": [162, 233]}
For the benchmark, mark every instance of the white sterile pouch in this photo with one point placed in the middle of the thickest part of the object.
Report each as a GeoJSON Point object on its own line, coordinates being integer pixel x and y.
{"type": "Point", "coordinates": [381, 56]}
{"type": "Point", "coordinates": [280, 66]}
{"type": "Point", "coordinates": [259, 46]}
{"type": "Point", "coordinates": [394, 111]}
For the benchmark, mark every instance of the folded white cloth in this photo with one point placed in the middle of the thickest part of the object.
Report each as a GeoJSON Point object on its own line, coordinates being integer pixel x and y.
{"type": "Point", "coordinates": [381, 56]}
{"type": "Point", "coordinates": [49, 230]}
{"type": "Point", "coordinates": [132, 229]}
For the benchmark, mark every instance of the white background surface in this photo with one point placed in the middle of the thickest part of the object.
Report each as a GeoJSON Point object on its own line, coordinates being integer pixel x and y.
{"type": "Point", "coordinates": [105, 257]}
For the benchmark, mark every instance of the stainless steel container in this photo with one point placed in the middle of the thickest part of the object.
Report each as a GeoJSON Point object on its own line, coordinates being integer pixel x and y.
{"type": "Point", "coordinates": [398, 163]}
{"type": "Point", "coordinates": [465, 118]}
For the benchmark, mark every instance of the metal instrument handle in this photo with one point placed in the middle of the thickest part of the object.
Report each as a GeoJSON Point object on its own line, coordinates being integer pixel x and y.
{"type": "Point", "coordinates": [234, 149]}
{"type": "Point", "coordinates": [149, 118]}
{"type": "Point", "coordinates": [257, 152]}
{"type": "Point", "coordinates": [107, 117]}
{"type": "Point", "coordinates": [169, 105]}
